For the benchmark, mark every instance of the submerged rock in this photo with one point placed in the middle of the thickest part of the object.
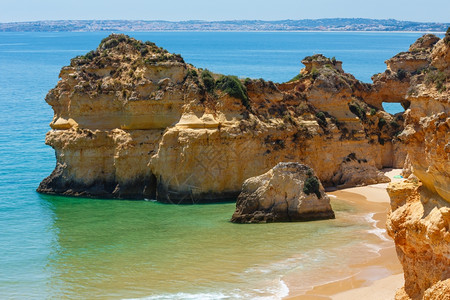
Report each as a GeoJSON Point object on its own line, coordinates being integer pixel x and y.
{"type": "Point", "coordinates": [288, 192]}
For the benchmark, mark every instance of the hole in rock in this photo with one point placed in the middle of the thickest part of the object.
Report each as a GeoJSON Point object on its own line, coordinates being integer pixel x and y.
{"type": "Point", "coordinates": [394, 108]}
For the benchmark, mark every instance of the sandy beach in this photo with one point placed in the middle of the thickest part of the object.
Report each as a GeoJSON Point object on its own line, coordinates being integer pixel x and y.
{"type": "Point", "coordinates": [378, 278]}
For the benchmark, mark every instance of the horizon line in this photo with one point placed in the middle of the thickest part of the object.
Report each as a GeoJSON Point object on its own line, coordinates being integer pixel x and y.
{"type": "Point", "coordinates": [218, 21]}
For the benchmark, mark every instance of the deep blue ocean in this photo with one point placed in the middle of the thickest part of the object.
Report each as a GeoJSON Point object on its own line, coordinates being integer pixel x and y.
{"type": "Point", "coordinates": [55, 247]}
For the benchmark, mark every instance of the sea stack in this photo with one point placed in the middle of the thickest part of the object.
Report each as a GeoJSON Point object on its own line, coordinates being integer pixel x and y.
{"type": "Point", "coordinates": [288, 192]}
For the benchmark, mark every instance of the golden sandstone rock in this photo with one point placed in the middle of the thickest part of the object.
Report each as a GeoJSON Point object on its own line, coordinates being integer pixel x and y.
{"type": "Point", "coordinates": [141, 123]}
{"type": "Point", "coordinates": [420, 207]}
{"type": "Point", "coordinates": [287, 192]}
{"type": "Point", "coordinates": [134, 121]}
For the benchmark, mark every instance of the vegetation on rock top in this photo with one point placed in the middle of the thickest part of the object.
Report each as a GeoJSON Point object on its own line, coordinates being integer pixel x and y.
{"type": "Point", "coordinates": [208, 81]}
{"type": "Point", "coordinates": [312, 185]}
{"type": "Point", "coordinates": [233, 87]}
{"type": "Point", "coordinates": [128, 63]}
{"type": "Point", "coordinates": [121, 43]}
{"type": "Point", "coordinates": [447, 36]}
{"type": "Point", "coordinates": [436, 77]}
{"type": "Point", "coordinates": [321, 58]}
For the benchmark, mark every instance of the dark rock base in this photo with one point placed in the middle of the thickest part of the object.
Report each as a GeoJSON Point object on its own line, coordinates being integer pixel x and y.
{"type": "Point", "coordinates": [264, 217]}
{"type": "Point", "coordinates": [138, 189]}
{"type": "Point", "coordinates": [146, 187]}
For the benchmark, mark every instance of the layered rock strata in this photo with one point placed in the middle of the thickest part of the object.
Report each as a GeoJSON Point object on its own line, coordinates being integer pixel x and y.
{"type": "Point", "coordinates": [287, 192]}
{"type": "Point", "coordinates": [419, 221]}
{"type": "Point", "coordinates": [134, 121]}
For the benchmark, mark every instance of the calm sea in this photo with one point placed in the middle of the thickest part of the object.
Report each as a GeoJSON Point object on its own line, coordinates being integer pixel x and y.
{"type": "Point", "coordinates": [55, 247]}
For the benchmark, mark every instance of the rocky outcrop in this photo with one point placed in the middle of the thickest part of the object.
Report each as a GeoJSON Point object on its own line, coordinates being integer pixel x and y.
{"type": "Point", "coordinates": [420, 207]}
{"type": "Point", "coordinates": [287, 192]}
{"type": "Point", "coordinates": [353, 172]}
{"type": "Point", "coordinates": [419, 223]}
{"type": "Point", "coordinates": [134, 121]}
{"type": "Point", "coordinates": [394, 84]}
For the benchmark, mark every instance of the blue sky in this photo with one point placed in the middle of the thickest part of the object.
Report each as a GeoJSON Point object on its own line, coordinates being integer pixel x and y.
{"type": "Point", "coordinates": [175, 10]}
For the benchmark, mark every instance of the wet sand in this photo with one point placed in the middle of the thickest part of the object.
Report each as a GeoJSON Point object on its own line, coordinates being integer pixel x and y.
{"type": "Point", "coordinates": [379, 277]}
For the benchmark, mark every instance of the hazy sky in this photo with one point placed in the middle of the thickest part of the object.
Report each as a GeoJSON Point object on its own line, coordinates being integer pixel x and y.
{"type": "Point", "coordinates": [175, 10]}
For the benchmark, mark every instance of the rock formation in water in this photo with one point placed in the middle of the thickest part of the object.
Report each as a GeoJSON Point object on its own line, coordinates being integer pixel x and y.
{"type": "Point", "coordinates": [419, 221]}
{"type": "Point", "coordinates": [288, 192]}
{"type": "Point", "coordinates": [134, 121]}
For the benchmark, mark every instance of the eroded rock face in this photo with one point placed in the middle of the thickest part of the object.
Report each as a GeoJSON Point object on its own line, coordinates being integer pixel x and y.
{"type": "Point", "coordinates": [134, 121]}
{"type": "Point", "coordinates": [353, 172]}
{"type": "Point", "coordinates": [419, 224]}
{"type": "Point", "coordinates": [420, 207]}
{"type": "Point", "coordinates": [287, 192]}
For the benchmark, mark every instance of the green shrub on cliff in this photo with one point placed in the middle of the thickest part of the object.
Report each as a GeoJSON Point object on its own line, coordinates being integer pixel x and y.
{"type": "Point", "coordinates": [114, 40]}
{"type": "Point", "coordinates": [401, 74]}
{"type": "Point", "coordinates": [84, 59]}
{"type": "Point", "coordinates": [193, 75]}
{"type": "Point", "coordinates": [321, 118]}
{"type": "Point", "coordinates": [144, 51]}
{"type": "Point", "coordinates": [357, 110]}
{"type": "Point", "coordinates": [208, 81]}
{"type": "Point", "coordinates": [111, 43]}
{"type": "Point", "coordinates": [394, 125]}
{"type": "Point", "coordinates": [297, 77]}
{"type": "Point", "coordinates": [447, 37]}
{"type": "Point", "coordinates": [311, 186]}
{"type": "Point", "coordinates": [316, 57]}
{"type": "Point", "coordinates": [381, 123]}
{"type": "Point", "coordinates": [233, 87]}
{"type": "Point", "coordinates": [90, 55]}
{"type": "Point", "coordinates": [314, 73]}
{"type": "Point", "coordinates": [438, 78]}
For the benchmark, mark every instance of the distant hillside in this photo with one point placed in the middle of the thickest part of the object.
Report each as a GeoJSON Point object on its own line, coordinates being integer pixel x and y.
{"type": "Point", "coordinates": [337, 24]}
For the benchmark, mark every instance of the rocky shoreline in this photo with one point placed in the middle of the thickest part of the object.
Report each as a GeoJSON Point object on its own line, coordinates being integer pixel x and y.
{"type": "Point", "coordinates": [133, 121]}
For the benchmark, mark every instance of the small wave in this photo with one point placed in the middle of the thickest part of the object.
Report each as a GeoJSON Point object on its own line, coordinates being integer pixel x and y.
{"type": "Point", "coordinates": [369, 218]}
{"type": "Point", "coordinates": [276, 290]}
{"type": "Point", "coordinates": [379, 232]}
{"type": "Point", "coordinates": [180, 296]}
{"type": "Point", "coordinates": [373, 248]}
{"type": "Point", "coordinates": [283, 290]}
{"type": "Point", "coordinates": [279, 266]}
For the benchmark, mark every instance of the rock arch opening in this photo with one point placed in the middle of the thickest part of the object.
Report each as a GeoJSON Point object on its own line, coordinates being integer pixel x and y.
{"type": "Point", "coordinates": [395, 107]}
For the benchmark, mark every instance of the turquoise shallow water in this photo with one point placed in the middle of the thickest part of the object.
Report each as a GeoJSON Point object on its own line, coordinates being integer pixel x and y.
{"type": "Point", "coordinates": [53, 247]}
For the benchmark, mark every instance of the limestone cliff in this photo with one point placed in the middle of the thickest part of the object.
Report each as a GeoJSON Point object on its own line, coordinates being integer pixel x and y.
{"type": "Point", "coordinates": [420, 207]}
{"type": "Point", "coordinates": [134, 121]}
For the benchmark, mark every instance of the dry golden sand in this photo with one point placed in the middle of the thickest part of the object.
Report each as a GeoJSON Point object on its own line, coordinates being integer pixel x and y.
{"type": "Point", "coordinates": [379, 277]}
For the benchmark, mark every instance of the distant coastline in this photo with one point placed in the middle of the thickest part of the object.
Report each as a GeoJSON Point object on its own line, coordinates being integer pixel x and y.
{"type": "Point", "coordinates": [323, 25]}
